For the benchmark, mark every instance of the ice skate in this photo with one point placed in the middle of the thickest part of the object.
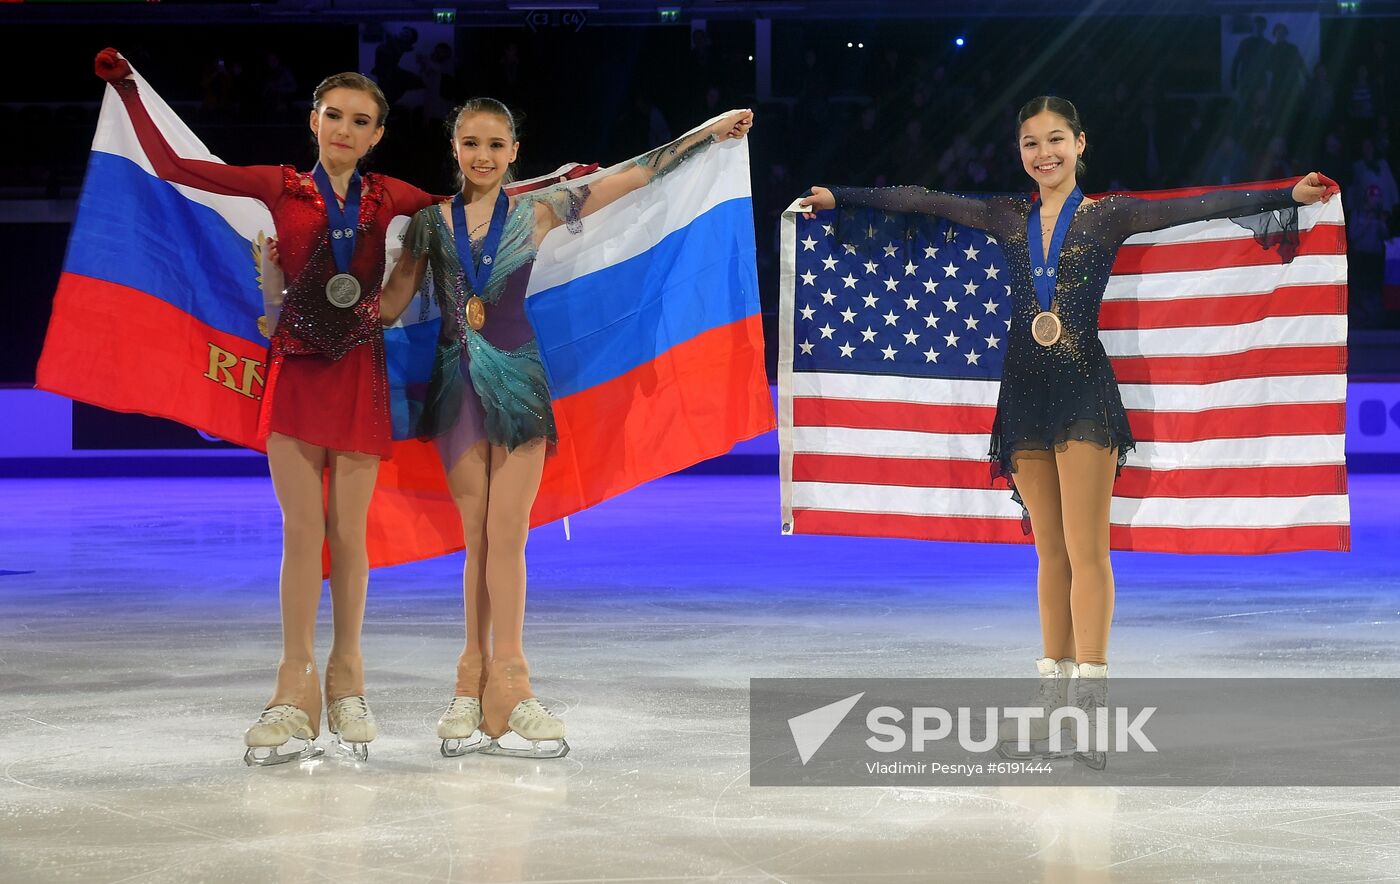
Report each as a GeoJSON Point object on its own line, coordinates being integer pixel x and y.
{"type": "Point", "coordinates": [287, 729]}
{"type": "Point", "coordinates": [511, 711]}
{"type": "Point", "coordinates": [281, 734]}
{"type": "Point", "coordinates": [1051, 693]}
{"type": "Point", "coordinates": [460, 726]}
{"type": "Point", "coordinates": [353, 726]}
{"type": "Point", "coordinates": [348, 717]}
{"type": "Point", "coordinates": [1091, 695]}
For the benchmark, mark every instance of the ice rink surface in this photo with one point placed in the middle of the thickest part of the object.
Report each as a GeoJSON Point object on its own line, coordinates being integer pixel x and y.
{"type": "Point", "coordinates": [139, 634]}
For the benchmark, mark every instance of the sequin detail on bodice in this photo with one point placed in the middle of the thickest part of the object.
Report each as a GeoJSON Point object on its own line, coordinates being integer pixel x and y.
{"type": "Point", "coordinates": [309, 322]}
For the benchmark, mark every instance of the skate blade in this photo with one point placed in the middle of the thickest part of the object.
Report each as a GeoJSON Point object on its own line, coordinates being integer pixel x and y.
{"type": "Point", "coordinates": [1039, 751]}
{"type": "Point", "coordinates": [1092, 760]}
{"type": "Point", "coordinates": [538, 749]}
{"type": "Point", "coordinates": [269, 756]}
{"type": "Point", "coordinates": [456, 747]}
{"type": "Point", "coordinates": [357, 751]}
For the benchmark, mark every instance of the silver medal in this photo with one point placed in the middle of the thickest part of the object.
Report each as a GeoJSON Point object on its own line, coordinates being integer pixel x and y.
{"type": "Point", "coordinates": [343, 290]}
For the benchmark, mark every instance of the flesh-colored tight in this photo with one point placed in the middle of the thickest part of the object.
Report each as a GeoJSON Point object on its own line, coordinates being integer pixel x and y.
{"type": "Point", "coordinates": [1068, 494]}
{"type": "Point", "coordinates": [308, 523]}
{"type": "Point", "coordinates": [494, 490]}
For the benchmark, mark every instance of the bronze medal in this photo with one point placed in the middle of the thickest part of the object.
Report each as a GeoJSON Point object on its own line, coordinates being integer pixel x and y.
{"type": "Point", "coordinates": [476, 312]}
{"type": "Point", "coordinates": [343, 290]}
{"type": "Point", "coordinates": [1045, 328]}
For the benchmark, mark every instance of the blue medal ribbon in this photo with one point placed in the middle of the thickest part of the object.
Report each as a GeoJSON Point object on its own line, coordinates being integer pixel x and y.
{"type": "Point", "coordinates": [1043, 269]}
{"type": "Point", "coordinates": [342, 224]}
{"type": "Point", "coordinates": [477, 274]}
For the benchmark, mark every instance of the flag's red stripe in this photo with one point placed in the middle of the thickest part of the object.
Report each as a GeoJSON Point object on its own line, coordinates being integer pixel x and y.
{"type": "Point", "coordinates": [1322, 239]}
{"type": "Point", "coordinates": [863, 414]}
{"type": "Point", "coordinates": [968, 529]}
{"type": "Point", "coordinates": [1245, 422]}
{"type": "Point", "coordinates": [126, 350]}
{"type": "Point", "coordinates": [1262, 481]}
{"type": "Point", "coordinates": [1296, 300]}
{"type": "Point", "coordinates": [670, 413]}
{"type": "Point", "coordinates": [1239, 541]}
{"type": "Point", "coordinates": [1259, 363]}
{"type": "Point", "coordinates": [1231, 541]}
{"type": "Point", "coordinates": [1135, 482]}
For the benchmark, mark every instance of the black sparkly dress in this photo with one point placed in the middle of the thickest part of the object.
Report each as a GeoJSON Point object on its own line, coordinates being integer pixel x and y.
{"type": "Point", "coordinates": [1053, 395]}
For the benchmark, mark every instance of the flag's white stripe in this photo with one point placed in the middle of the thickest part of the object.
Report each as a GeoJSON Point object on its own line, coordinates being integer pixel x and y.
{"type": "Point", "coordinates": [1227, 281]}
{"type": "Point", "coordinates": [1273, 451]}
{"type": "Point", "coordinates": [889, 443]}
{"type": "Point", "coordinates": [115, 135]}
{"type": "Point", "coordinates": [1222, 228]}
{"type": "Point", "coordinates": [1161, 512]}
{"type": "Point", "coordinates": [1237, 393]}
{"type": "Point", "coordinates": [640, 220]}
{"type": "Point", "coordinates": [888, 388]}
{"type": "Point", "coordinates": [1156, 397]}
{"type": "Point", "coordinates": [904, 500]}
{"type": "Point", "coordinates": [1273, 331]}
{"type": "Point", "coordinates": [1230, 512]}
{"type": "Point", "coordinates": [1248, 452]}
{"type": "Point", "coordinates": [787, 280]}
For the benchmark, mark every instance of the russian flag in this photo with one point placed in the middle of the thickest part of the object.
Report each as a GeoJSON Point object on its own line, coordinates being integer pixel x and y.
{"type": "Point", "coordinates": [649, 325]}
{"type": "Point", "coordinates": [157, 306]}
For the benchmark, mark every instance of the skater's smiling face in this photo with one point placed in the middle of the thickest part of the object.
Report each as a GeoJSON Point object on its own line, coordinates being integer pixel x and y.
{"type": "Point", "coordinates": [1050, 149]}
{"type": "Point", "coordinates": [485, 146]}
{"type": "Point", "coordinates": [347, 122]}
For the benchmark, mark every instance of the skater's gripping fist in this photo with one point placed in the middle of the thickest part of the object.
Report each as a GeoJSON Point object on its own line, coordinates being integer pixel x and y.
{"type": "Point", "coordinates": [818, 199]}
{"type": "Point", "coordinates": [1314, 187]}
{"type": "Point", "coordinates": [110, 65]}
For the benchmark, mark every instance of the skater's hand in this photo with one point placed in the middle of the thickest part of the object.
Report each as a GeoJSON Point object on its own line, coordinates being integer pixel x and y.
{"type": "Point", "coordinates": [1314, 187]}
{"type": "Point", "coordinates": [818, 199]}
{"type": "Point", "coordinates": [110, 65]}
{"type": "Point", "coordinates": [735, 124]}
{"type": "Point", "coordinates": [270, 253]}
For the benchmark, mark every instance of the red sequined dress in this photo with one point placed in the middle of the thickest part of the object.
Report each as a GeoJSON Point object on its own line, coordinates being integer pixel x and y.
{"type": "Point", "coordinates": [326, 379]}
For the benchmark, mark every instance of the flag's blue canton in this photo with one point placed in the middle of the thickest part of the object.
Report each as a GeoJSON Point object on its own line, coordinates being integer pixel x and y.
{"type": "Point", "coordinates": [879, 305]}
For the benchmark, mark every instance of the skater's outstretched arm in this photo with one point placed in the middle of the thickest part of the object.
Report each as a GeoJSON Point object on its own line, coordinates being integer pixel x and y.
{"type": "Point", "coordinates": [1135, 215]}
{"type": "Point", "coordinates": [995, 215]}
{"type": "Point", "coordinates": [262, 183]}
{"type": "Point", "coordinates": [567, 204]}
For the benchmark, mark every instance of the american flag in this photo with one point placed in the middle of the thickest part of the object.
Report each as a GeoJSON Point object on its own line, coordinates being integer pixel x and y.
{"type": "Point", "coordinates": [1231, 363]}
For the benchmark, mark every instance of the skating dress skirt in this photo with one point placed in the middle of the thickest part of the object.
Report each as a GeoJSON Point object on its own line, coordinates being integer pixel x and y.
{"type": "Point", "coordinates": [1052, 395]}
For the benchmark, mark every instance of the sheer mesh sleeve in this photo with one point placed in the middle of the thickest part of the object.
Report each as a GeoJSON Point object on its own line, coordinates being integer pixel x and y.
{"type": "Point", "coordinates": [1142, 215]}
{"type": "Point", "coordinates": [670, 157]}
{"type": "Point", "coordinates": [996, 215]}
{"type": "Point", "coordinates": [566, 201]}
{"type": "Point", "coordinates": [418, 236]}
{"type": "Point", "coordinates": [1271, 215]}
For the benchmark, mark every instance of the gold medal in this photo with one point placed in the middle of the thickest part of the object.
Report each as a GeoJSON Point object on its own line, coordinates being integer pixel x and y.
{"type": "Point", "coordinates": [1045, 328]}
{"type": "Point", "coordinates": [476, 312]}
